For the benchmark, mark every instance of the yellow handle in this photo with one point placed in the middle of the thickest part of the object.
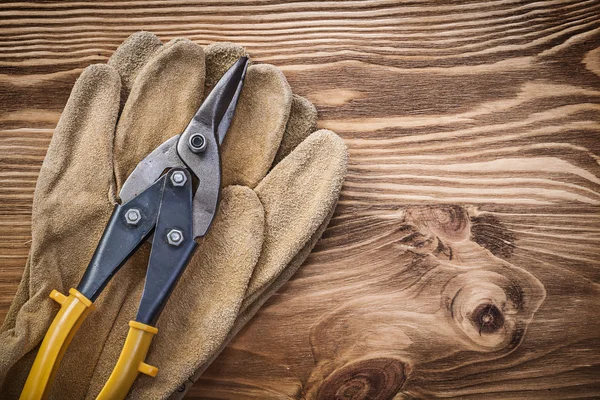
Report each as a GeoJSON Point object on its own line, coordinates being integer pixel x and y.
{"type": "Point", "coordinates": [131, 362]}
{"type": "Point", "coordinates": [73, 310]}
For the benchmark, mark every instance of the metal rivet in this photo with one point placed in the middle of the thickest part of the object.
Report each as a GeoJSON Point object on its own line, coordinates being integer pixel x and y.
{"type": "Point", "coordinates": [178, 178]}
{"type": "Point", "coordinates": [197, 143]}
{"type": "Point", "coordinates": [133, 216]}
{"type": "Point", "coordinates": [175, 237]}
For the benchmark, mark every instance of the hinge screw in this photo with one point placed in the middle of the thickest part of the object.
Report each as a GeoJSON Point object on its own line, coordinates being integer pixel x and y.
{"type": "Point", "coordinates": [178, 178]}
{"type": "Point", "coordinates": [133, 216]}
{"type": "Point", "coordinates": [197, 143]}
{"type": "Point", "coordinates": [175, 237]}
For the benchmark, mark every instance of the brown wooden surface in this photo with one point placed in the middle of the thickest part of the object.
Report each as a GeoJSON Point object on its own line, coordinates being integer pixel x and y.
{"type": "Point", "coordinates": [463, 259]}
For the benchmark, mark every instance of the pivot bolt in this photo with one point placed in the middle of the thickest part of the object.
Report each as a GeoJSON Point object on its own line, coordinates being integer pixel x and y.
{"type": "Point", "coordinates": [178, 178]}
{"type": "Point", "coordinates": [133, 216]}
{"type": "Point", "coordinates": [197, 143]}
{"type": "Point", "coordinates": [175, 237]}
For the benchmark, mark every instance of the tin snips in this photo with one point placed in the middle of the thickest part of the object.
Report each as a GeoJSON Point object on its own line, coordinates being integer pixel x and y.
{"type": "Point", "coordinates": [170, 198]}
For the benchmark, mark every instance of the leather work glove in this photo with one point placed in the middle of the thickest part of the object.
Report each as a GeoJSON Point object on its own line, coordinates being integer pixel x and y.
{"type": "Point", "coordinates": [281, 183]}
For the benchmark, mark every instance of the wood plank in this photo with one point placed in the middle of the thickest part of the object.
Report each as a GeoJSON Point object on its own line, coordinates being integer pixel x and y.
{"type": "Point", "coordinates": [463, 258]}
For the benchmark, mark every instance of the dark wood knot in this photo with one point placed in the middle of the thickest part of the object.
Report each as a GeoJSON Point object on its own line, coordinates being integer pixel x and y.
{"type": "Point", "coordinates": [449, 222]}
{"type": "Point", "coordinates": [372, 379]}
{"type": "Point", "coordinates": [487, 318]}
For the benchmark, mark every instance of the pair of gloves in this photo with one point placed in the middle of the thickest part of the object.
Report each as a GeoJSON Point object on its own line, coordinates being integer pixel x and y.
{"type": "Point", "coordinates": [281, 181]}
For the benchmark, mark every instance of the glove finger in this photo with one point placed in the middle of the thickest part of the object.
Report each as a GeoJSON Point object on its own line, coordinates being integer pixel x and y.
{"type": "Point", "coordinates": [77, 168]}
{"type": "Point", "coordinates": [257, 127]}
{"type": "Point", "coordinates": [219, 58]}
{"type": "Point", "coordinates": [165, 95]}
{"type": "Point", "coordinates": [297, 195]}
{"type": "Point", "coordinates": [301, 123]}
{"type": "Point", "coordinates": [131, 56]}
{"type": "Point", "coordinates": [205, 302]}
{"type": "Point", "coordinates": [252, 303]}
{"type": "Point", "coordinates": [70, 207]}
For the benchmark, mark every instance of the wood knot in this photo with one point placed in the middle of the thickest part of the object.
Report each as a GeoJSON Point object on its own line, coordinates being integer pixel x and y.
{"type": "Point", "coordinates": [372, 379]}
{"type": "Point", "coordinates": [490, 308]}
{"type": "Point", "coordinates": [449, 222]}
{"type": "Point", "coordinates": [487, 318]}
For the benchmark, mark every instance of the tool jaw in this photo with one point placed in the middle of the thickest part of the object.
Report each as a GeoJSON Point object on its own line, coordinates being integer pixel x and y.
{"type": "Point", "coordinates": [199, 143]}
{"type": "Point", "coordinates": [196, 148]}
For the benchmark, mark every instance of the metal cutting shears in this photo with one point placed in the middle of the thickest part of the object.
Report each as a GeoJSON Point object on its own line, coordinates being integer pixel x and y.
{"type": "Point", "coordinates": [158, 201]}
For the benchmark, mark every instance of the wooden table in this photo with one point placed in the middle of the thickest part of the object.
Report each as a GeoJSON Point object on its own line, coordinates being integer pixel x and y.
{"type": "Point", "coordinates": [464, 256]}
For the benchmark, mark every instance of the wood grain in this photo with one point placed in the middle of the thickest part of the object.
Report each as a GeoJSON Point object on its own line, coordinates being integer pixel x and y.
{"type": "Point", "coordinates": [463, 260]}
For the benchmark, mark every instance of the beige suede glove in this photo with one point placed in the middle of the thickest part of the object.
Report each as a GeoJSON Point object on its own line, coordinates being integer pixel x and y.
{"type": "Point", "coordinates": [268, 221]}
